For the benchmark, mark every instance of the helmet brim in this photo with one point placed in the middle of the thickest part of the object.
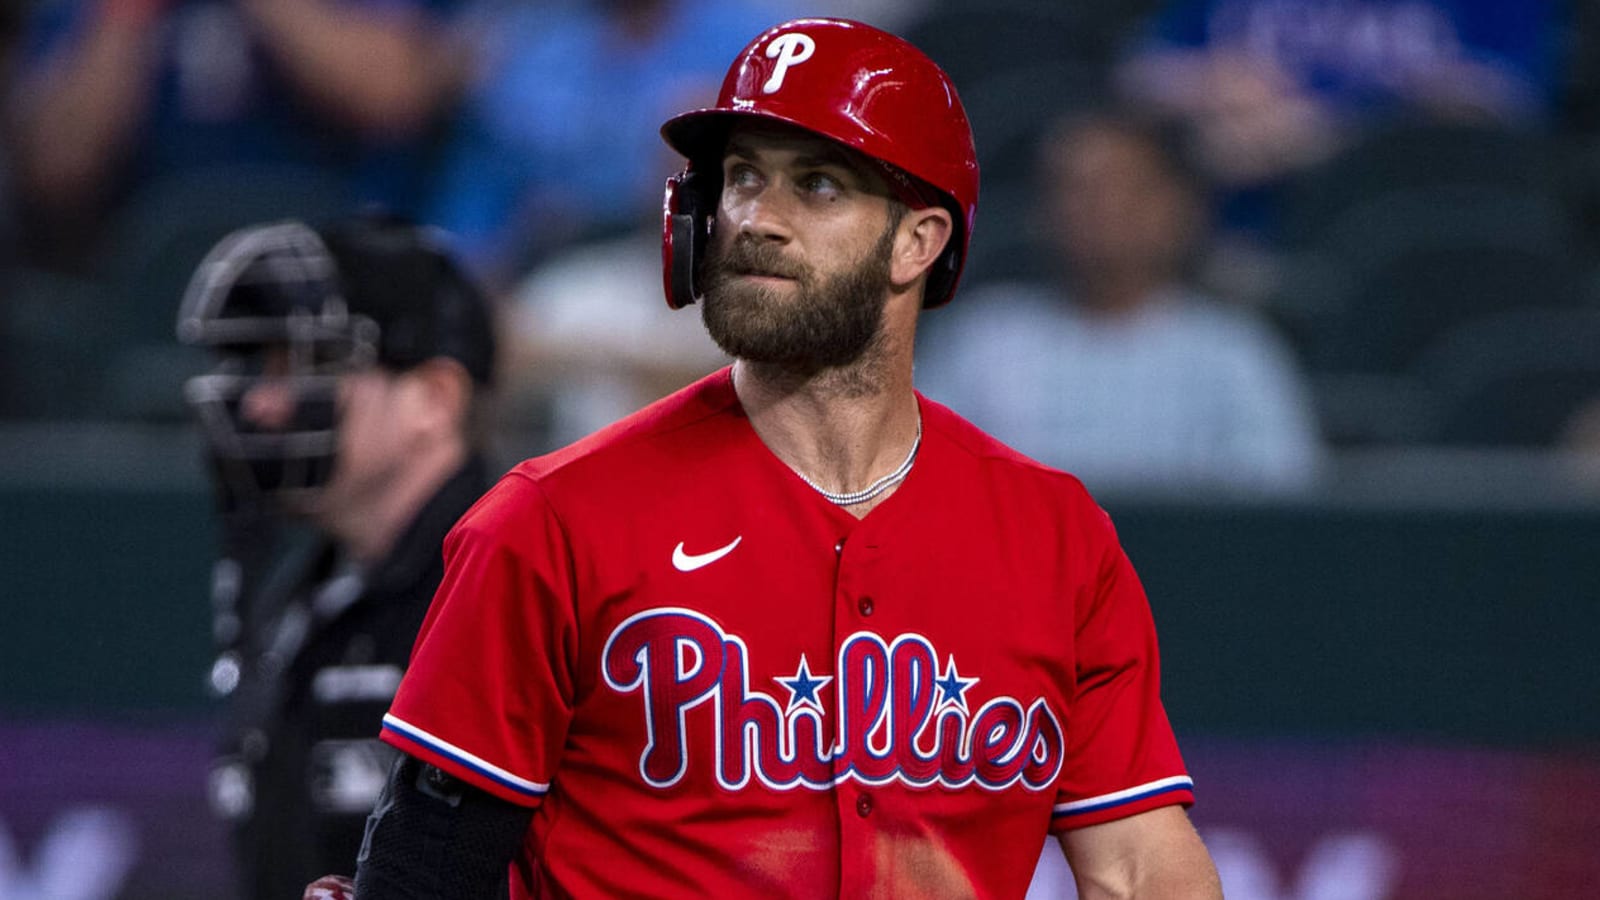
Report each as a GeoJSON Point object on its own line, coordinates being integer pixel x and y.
{"type": "Point", "coordinates": [701, 135]}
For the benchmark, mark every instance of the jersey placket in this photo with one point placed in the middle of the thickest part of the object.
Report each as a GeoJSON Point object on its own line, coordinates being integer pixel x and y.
{"type": "Point", "coordinates": [855, 803]}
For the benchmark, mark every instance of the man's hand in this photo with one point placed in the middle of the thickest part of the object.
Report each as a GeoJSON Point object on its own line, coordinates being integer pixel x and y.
{"type": "Point", "coordinates": [330, 887]}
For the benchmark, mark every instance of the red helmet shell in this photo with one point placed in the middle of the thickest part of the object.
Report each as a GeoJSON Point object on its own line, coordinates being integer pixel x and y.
{"type": "Point", "coordinates": [867, 89]}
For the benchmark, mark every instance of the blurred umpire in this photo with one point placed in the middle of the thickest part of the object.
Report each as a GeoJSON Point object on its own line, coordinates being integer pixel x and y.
{"type": "Point", "coordinates": [344, 422]}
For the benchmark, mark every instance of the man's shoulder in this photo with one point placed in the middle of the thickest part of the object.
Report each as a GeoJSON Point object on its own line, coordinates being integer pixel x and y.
{"type": "Point", "coordinates": [1219, 333]}
{"type": "Point", "coordinates": [981, 476]}
{"type": "Point", "coordinates": [610, 472]}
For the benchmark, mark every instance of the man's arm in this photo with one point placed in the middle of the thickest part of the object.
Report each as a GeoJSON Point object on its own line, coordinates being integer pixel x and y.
{"type": "Point", "coordinates": [387, 73]}
{"type": "Point", "coordinates": [1155, 855]}
{"type": "Point", "coordinates": [76, 112]}
{"type": "Point", "coordinates": [435, 837]}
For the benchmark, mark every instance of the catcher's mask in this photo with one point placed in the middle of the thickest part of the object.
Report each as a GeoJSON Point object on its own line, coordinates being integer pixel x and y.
{"type": "Point", "coordinates": [852, 83]}
{"type": "Point", "coordinates": [298, 308]}
{"type": "Point", "coordinates": [267, 300]}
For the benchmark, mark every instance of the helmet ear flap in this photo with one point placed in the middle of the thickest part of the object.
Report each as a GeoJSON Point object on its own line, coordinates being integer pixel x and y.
{"type": "Point", "coordinates": [686, 225]}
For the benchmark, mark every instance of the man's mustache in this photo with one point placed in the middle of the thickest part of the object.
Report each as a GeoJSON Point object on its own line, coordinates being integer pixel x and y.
{"type": "Point", "coordinates": [746, 256]}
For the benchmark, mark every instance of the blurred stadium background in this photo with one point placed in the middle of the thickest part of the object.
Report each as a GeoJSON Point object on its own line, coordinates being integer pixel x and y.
{"type": "Point", "coordinates": [1386, 686]}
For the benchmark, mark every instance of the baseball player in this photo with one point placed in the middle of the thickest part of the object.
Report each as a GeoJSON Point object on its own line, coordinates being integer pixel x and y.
{"type": "Point", "coordinates": [341, 424]}
{"type": "Point", "coordinates": [795, 630]}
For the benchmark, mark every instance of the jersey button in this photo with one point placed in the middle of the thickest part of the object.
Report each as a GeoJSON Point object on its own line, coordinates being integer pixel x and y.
{"type": "Point", "coordinates": [865, 606]}
{"type": "Point", "coordinates": [838, 549]}
{"type": "Point", "coordinates": [864, 806]}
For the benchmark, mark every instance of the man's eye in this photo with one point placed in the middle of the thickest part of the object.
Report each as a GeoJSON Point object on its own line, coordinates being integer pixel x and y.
{"type": "Point", "coordinates": [742, 177]}
{"type": "Point", "coordinates": [820, 183]}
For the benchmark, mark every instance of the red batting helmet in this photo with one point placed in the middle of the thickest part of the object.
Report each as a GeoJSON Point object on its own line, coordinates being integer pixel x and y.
{"type": "Point", "coordinates": [866, 89]}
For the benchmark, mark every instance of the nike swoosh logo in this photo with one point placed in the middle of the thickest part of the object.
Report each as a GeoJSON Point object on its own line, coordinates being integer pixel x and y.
{"type": "Point", "coordinates": [688, 562]}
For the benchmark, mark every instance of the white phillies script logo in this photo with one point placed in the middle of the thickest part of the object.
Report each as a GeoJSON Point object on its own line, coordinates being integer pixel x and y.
{"type": "Point", "coordinates": [790, 49]}
{"type": "Point", "coordinates": [900, 717]}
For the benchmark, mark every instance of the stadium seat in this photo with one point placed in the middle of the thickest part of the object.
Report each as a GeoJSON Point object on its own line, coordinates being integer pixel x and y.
{"type": "Point", "coordinates": [1009, 243]}
{"type": "Point", "coordinates": [55, 335]}
{"type": "Point", "coordinates": [1012, 108]}
{"type": "Point", "coordinates": [1513, 378]}
{"type": "Point", "coordinates": [973, 40]}
{"type": "Point", "coordinates": [1410, 234]}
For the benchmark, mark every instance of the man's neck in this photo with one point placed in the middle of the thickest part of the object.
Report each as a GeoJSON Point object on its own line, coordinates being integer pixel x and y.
{"type": "Point", "coordinates": [841, 429]}
{"type": "Point", "coordinates": [1117, 294]}
{"type": "Point", "coordinates": [368, 527]}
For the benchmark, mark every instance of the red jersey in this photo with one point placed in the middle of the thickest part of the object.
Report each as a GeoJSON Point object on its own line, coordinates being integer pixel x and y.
{"type": "Point", "coordinates": [711, 681]}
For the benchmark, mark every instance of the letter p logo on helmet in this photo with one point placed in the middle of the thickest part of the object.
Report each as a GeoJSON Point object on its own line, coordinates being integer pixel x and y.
{"type": "Point", "coordinates": [790, 49]}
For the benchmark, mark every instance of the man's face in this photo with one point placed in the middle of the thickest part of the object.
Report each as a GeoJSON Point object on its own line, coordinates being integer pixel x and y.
{"type": "Point", "coordinates": [1117, 205]}
{"type": "Point", "coordinates": [371, 433]}
{"type": "Point", "coordinates": [798, 273]}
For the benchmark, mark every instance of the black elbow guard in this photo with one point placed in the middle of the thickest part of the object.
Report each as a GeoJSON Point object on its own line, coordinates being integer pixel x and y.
{"type": "Point", "coordinates": [432, 837]}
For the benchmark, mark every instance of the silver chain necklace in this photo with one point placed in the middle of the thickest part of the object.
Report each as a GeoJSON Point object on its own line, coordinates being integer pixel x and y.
{"type": "Point", "coordinates": [877, 487]}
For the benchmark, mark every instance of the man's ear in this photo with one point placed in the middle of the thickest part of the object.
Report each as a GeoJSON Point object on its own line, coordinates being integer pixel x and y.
{"type": "Point", "coordinates": [921, 237]}
{"type": "Point", "coordinates": [440, 393]}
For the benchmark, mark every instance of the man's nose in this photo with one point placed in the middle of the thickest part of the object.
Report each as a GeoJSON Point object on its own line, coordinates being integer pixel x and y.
{"type": "Point", "coordinates": [269, 405]}
{"type": "Point", "coordinates": [765, 216]}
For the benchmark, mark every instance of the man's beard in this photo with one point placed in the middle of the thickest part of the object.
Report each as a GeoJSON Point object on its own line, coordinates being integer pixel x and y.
{"type": "Point", "coordinates": [828, 323]}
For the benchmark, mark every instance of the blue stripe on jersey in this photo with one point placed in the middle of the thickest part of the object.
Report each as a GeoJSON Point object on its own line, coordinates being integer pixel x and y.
{"type": "Point", "coordinates": [1124, 797]}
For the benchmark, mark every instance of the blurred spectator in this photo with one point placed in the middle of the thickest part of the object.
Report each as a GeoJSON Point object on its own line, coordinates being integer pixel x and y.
{"type": "Point", "coordinates": [116, 94]}
{"type": "Point", "coordinates": [1122, 373]}
{"type": "Point", "coordinates": [346, 420]}
{"type": "Point", "coordinates": [1273, 86]}
{"type": "Point", "coordinates": [563, 114]}
{"type": "Point", "coordinates": [590, 337]}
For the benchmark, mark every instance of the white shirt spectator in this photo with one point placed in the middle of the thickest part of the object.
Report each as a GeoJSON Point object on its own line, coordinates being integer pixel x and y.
{"type": "Point", "coordinates": [1182, 393]}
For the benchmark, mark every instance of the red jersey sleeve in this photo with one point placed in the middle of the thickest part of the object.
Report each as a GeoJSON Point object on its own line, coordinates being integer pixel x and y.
{"type": "Point", "coordinates": [1121, 756]}
{"type": "Point", "coordinates": [489, 692]}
